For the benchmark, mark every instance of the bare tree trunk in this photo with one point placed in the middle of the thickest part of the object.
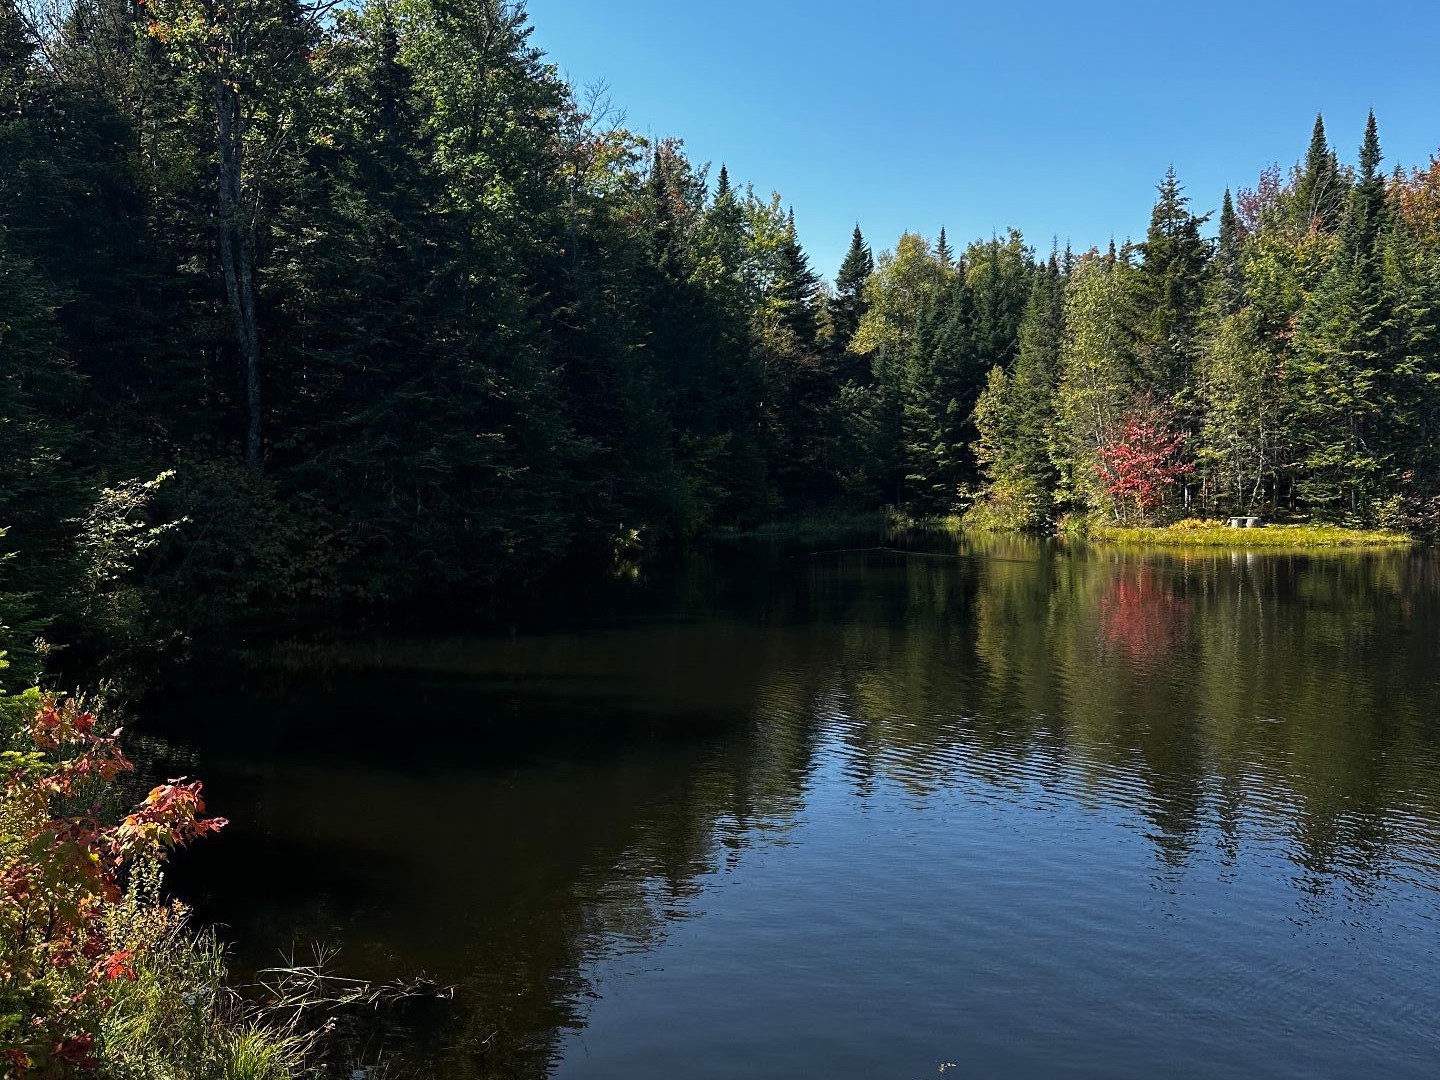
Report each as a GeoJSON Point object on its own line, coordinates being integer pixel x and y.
{"type": "Point", "coordinates": [235, 253]}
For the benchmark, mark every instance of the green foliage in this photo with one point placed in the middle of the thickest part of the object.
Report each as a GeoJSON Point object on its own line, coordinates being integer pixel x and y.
{"type": "Point", "coordinates": [403, 313]}
{"type": "Point", "coordinates": [174, 1016]}
{"type": "Point", "coordinates": [1242, 431]}
{"type": "Point", "coordinates": [1015, 415]}
{"type": "Point", "coordinates": [1343, 363]}
{"type": "Point", "coordinates": [1097, 382]}
{"type": "Point", "coordinates": [1169, 291]}
{"type": "Point", "coordinates": [68, 933]}
{"type": "Point", "coordinates": [1319, 189]}
{"type": "Point", "coordinates": [848, 305]}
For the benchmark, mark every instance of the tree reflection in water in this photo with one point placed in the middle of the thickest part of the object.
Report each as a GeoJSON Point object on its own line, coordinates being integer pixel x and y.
{"type": "Point", "coordinates": [573, 792]}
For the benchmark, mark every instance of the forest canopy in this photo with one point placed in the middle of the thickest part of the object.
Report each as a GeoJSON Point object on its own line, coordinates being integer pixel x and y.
{"type": "Point", "coordinates": [306, 301]}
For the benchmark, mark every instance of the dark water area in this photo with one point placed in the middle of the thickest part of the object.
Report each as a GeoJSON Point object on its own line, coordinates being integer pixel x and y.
{"type": "Point", "coordinates": [995, 808]}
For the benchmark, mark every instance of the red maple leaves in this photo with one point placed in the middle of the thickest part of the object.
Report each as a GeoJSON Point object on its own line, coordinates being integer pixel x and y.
{"type": "Point", "coordinates": [60, 875]}
{"type": "Point", "coordinates": [1142, 461]}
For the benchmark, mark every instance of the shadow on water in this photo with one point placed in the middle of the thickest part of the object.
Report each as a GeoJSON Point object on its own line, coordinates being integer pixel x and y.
{"type": "Point", "coordinates": [1166, 777]}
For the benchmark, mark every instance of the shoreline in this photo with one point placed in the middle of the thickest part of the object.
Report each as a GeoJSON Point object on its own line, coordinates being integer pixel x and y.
{"type": "Point", "coordinates": [1219, 535]}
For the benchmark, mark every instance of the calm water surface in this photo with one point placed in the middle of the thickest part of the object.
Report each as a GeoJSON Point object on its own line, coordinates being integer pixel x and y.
{"type": "Point", "coordinates": [985, 810]}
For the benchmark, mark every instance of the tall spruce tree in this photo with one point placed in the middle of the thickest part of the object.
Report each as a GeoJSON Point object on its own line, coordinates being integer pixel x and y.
{"type": "Point", "coordinates": [944, 255]}
{"type": "Point", "coordinates": [1169, 295]}
{"type": "Point", "coordinates": [1319, 190]}
{"type": "Point", "coordinates": [1341, 359]}
{"type": "Point", "coordinates": [1015, 414]}
{"type": "Point", "coordinates": [1228, 266]}
{"type": "Point", "coordinates": [848, 305]}
{"type": "Point", "coordinates": [798, 383]}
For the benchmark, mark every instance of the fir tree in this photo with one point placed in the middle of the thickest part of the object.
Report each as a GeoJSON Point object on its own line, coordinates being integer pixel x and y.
{"type": "Point", "coordinates": [797, 289]}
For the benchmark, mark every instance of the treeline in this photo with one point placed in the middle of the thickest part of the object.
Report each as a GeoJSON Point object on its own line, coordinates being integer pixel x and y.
{"type": "Point", "coordinates": [307, 301]}
{"type": "Point", "coordinates": [1288, 366]}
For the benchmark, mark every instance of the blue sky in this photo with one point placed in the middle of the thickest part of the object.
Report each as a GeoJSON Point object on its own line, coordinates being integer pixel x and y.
{"type": "Point", "coordinates": [1056, 118]}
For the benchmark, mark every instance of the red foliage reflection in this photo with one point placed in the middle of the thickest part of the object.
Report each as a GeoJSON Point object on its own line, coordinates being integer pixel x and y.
{"type": "Point", "coordinates": [1140, 616]}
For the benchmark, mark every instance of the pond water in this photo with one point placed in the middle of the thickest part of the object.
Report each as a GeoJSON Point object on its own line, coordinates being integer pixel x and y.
{"type": "Point", "coordinates": [988, 809]}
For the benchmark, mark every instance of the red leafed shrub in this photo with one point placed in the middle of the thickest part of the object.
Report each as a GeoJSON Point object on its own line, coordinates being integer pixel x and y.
{"type": "Point", "coordinates": [1141, 462]}
{"type": "Point", "coordinates": [62, 871]}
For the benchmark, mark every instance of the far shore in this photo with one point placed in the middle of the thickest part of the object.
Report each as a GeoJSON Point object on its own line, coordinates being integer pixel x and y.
{"type": "Point", "coordinates": [1219, 534]}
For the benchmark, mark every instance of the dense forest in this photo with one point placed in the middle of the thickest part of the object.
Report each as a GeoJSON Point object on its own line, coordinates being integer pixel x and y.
{"type": "Point", "coordinates": [304, 301]}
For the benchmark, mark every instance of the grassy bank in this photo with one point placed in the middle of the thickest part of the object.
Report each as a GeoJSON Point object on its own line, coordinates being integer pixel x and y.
{"type": "Point", "coordinates": [1220, 535]}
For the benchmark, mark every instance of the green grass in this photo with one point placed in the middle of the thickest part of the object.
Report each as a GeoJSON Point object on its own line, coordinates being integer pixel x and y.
{"type": "Point", "coordinates": [1218, 534]}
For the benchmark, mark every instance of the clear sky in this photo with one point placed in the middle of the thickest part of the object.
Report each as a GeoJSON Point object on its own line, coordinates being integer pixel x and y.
{"type": "Point", "coordinates": [1057, 118]}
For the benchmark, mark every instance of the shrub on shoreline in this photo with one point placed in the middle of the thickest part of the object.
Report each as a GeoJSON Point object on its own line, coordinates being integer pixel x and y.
{"type": "Point", "coordinates": [99, 974]}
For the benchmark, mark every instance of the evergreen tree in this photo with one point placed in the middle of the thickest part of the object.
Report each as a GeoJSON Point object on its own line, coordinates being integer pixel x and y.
{"type": "Point", "coordinates": [999, 274]}
{"type": "Point", "coordinates": [1015, 414]}
{"type": "Point", "coordinates": [1341, 359]}
{"type": "Point", "coordinates": [848, 305]}
{"type": "Point", "coordinates": [938, 386]}
{"type": "Point", "coordinates": [1319, 189]}
{"type": "Point", "coordinates": [1169, 294]}
{"type": "Point", "coordinates": [943, 255]}
{"type": "Point", "coordinates": [798, 384]}
{"type": "Point", "coordinates": [903, 299]}
{"type": "Point", "coordinates": [1229, 263]}
{"type": "Point", "coordinates": [797, 289]}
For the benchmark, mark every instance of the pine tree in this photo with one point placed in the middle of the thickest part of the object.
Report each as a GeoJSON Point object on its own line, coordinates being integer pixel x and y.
{"type": "Point", "coordinates": [797, 288]}
{"type": "Point", "coordinates": [701, 308]}
{"type": "Point", "coordinates": [999, 273]}
{"type": "Point", "coordinates": [1368, 210]}
{"type": "Point", "coordinates": [798, 384]}
{"type": "Point", "coordinates": [1411, 272]}
{"type": "Point", "coordinates": [936, 399]}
